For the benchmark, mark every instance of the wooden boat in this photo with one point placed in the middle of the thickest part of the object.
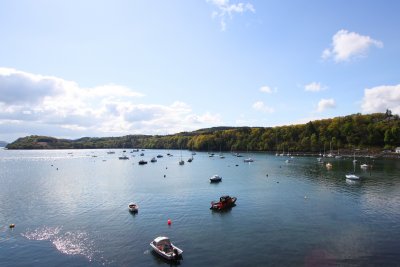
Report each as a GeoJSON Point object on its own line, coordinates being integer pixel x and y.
{"type": "Point", "coordinates": [163, 247]}
{"type": "Point", "coordinates": [133, 207]}
{"type": "Point", "coordinates": [224, 202]}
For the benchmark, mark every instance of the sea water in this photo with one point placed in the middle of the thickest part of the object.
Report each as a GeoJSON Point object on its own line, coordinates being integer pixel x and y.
{"type": "Point", "coordinates": [70, 208]}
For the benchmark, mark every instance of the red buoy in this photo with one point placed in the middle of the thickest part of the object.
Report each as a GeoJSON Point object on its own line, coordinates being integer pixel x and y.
{"type": "Point", "coordinates": [169, 222]}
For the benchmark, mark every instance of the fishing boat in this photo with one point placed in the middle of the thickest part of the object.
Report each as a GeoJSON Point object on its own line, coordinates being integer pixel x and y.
{"type": "Point", "coordinates": [123, 157]}
{"type": "Point", "coordinates": [215, 179]}
{"type": "Point", "coordinates": [224, 202]}
{"type": "Point", "coordinates": [164, 248]}
{"type": "Point", "coordinates": [133, 207]}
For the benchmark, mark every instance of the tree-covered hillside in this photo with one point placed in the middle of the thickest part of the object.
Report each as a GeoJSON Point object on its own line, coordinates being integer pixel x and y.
{"type": "Point", "coordinates": [379, 130]}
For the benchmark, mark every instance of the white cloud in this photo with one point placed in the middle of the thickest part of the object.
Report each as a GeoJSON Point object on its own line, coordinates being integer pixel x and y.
{"type": "Point", "coordinates": [380, 98]}
{"type": "Point", "coordinates": [226, 9]}
{"type": "Point", "coordinates": [347, 45]}
{"type": "Point", "coordinates": [260, 106]}
{"type": "Point", "coordinates": [268, 90]}
{"type": "Point", "coordinates": [324, 104]}
{"type": "Point", "coordinates": [61, 107]}
{"type": "Point", "coordinates": [314, 87]}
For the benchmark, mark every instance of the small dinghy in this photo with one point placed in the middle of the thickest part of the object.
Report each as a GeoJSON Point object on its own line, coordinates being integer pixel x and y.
{"type": "Point", "coordinates": [163, 247]}
{"type": "Point", "coordinates": [133, 207]}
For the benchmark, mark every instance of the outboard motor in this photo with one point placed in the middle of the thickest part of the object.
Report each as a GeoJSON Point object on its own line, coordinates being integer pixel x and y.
{"type": "Point", "coordinates": [176, 254]}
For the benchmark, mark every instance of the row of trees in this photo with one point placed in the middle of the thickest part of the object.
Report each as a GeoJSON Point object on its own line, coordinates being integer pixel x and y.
{"type": "Point", "coordinates": [379, 130]}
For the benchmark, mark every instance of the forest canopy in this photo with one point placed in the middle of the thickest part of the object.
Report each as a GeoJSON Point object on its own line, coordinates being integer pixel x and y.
{"type": "Point", "coordinates": [378, 130]}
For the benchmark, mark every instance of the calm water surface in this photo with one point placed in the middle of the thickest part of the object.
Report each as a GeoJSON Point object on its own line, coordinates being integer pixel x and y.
{"type": "Point", "coordinates": [70, 208]}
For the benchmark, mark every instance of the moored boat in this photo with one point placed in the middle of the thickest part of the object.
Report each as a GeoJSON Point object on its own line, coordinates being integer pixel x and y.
{"type": "Point", "coordinates": [329, 165]}
{"type": "Point", "coordinates": [215, 179]}
{"type": "Point", "coordinates": [163, 247]}
{"type": "Point", "coordinates": [364, 166]}
{"type": "Point", "coordinates": [123, 157]}
{"type": "Point", "coordinates": [142, 162]}
{"type": "Point", "coordinates": [224, 202]}
{"type": "Point", "coordinates": [133, 207]}
{"type": "Point", "coordinates": [352, 176]}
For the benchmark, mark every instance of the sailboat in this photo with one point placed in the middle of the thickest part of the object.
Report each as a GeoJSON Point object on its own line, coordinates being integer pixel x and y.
{"type": "Point", "coordinates": [221, 156]}
{"type": "Point", "coordinates": [249, 159]}
{"type": "Point", "coordinates": [338, 156]}
{"type": "Point", "coordinates": [354, 158]}
{"type": "Point", "coordinates": [181, 162]}
{"type": "Point", "coordinates": [330, 155]}
{"type": "Point", "coordinates": [353, 176]}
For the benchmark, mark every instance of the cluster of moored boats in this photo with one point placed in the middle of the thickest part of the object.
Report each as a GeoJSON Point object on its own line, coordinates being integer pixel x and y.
{"type": "Point", "coordinates": [163, 246]}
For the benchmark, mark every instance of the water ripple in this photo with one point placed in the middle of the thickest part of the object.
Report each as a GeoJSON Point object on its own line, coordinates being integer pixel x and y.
{"type": "Point", "coordinates": [70, 243]}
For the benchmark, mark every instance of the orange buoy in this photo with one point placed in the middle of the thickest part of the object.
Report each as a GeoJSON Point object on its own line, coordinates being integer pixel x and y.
{"type": "Point", "coordinates": [169, 222]}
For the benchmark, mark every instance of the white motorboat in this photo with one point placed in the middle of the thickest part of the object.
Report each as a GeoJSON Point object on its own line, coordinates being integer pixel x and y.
{"type": "Point", "coordinates": [133, 207]}
{"type": "Point", "coordinates": [352, 176]}
{"type": "Point", "coordinates": [248, 160]}
{"type": "Point", "coordinates": [163, 247]}
{"type": "Point", "coordinates": [215, 179]}
{"type": "Point", "coordinates": [364, 166]}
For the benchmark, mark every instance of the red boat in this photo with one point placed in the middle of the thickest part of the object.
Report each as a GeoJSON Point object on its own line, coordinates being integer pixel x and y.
{"type": "Point", "coordinates": [224, 202]}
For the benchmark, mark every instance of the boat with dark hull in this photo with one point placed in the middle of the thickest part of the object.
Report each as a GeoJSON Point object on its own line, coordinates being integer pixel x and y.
{"type": "Point", "coordinates": [225, 202]}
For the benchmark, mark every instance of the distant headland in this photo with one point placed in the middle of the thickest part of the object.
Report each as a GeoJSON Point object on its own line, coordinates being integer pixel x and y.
{"type": "Point", "coordinates": [370, 133]}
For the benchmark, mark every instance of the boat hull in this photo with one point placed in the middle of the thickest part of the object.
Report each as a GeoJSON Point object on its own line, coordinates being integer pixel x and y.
{"type": "Point", "coordinates": [223, 205]}
{"type": "Point", "coordinates": [174, 255]}
{"type": "Point", "coordinates": [352, 177]}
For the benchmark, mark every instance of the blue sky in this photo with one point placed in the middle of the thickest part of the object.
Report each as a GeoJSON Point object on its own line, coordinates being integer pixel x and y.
{"type": "Point", "coordinates": [110, 68]}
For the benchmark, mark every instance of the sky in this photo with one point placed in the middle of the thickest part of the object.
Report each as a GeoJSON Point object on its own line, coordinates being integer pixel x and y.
{"type": "Point", "coordinates": [71, 69]}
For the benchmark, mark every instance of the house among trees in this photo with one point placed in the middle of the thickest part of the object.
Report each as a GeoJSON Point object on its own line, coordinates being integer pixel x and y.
{"type": "Point", "coordinates": [397, 150]}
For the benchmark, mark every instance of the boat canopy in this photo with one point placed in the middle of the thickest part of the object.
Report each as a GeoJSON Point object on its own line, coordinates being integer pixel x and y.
{"type": "Point", "coordinates": [161, 240]}
{"type": "Point", "coordinates": [224, 198]}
